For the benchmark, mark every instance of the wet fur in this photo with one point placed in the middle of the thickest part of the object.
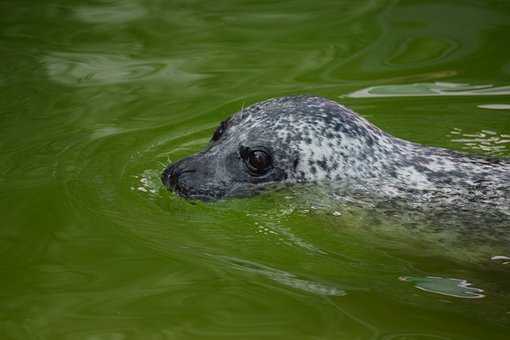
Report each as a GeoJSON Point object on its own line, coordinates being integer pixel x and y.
{"type": "Point", "coordinates": [314, 139]}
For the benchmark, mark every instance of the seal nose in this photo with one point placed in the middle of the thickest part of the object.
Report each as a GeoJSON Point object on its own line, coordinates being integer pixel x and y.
{"type": "Point", "coordinates": [170, 176]}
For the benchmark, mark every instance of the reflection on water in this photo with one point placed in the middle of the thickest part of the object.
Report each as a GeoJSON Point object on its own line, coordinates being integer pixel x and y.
{"type": "Point", "coordinates": [86, 69]}
{"type": "Point", "coordinates": [501, 258]}
{"type": "Point", "coordinates": [495, 106]}
{"type": "Point", "coordinates": [446, 286]}
{"type": "Point", "coordinates": [422, 34]}
{"type": "Point", "coordinates": [110, 12]}
{"type": "Point", "coordinates": [430, 90]}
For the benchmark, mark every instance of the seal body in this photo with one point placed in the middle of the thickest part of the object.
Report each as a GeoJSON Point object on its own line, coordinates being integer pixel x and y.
{"type": "Point", "coordinates": [299, 139]}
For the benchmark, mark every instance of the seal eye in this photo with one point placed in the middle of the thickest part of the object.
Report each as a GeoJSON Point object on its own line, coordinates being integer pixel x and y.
{"type": "Point", "coordinates": [259, 162]}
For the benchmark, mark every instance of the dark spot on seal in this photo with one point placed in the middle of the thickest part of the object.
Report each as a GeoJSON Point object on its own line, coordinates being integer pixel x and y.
{"type": "Point", "coordinates": [323, 164]}
{"type": "Point", "coordinates": [295, 164]}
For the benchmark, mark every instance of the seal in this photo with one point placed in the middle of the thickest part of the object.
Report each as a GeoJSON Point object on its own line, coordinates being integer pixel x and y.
{"type": "Point", "coordinates": [303, 139]}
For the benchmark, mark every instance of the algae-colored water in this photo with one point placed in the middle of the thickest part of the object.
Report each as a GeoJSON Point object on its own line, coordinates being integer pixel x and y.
{"type": "Point", "coordinates": [98, 96]}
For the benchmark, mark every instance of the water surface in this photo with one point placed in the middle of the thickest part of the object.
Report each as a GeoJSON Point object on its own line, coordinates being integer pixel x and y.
{"type": "Point", "coordinates": [98, 96]}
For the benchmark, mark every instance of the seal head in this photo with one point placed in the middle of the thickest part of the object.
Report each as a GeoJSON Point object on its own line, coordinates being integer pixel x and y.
{"type": "Point", "coordinates": [289, 139]}
{"type": "Point", "coordinates": [300, 139]}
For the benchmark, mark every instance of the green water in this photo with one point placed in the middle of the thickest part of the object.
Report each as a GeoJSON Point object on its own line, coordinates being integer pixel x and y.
{"type": "Point", "coordinates": [98, 96]}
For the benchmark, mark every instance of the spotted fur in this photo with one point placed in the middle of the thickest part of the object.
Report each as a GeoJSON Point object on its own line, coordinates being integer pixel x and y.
{"type": "Point", "coordinates": [314, 139]}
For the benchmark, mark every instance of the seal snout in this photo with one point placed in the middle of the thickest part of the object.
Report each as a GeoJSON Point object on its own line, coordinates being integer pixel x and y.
{"type": "Point", "coordinates": [169, 176]}
{"type": "Point", "coordinates": [172, 176]}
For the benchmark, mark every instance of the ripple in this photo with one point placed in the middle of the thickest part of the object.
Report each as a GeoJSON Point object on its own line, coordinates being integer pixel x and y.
{"type": "Point", "coordinates": [445, 286]}
{"type": "Point", "coordinates": [414, 335]}
{"type": "Point", "coordinates": [422, 49]}
{"type": "Point", "coordinates": [88, 69]}
{"type": "Point", "coordinates": [114, 13]}
{"type": "Point", "coordinates": [286, 235]}
{"type": "Point", "coordinates": [285, 278]}
{"type": "Point", "coordinates": [503, 259]}
{"type": "Point", "coordinates": [430, 90]}
{"type": "Point", "coordinates": [495, 106]}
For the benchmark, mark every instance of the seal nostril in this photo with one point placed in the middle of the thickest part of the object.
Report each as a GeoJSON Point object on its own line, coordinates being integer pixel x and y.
{"type": "Point", "coordinates": [173, 177]}
{"type": "Point", "coordinates": [170, 176]}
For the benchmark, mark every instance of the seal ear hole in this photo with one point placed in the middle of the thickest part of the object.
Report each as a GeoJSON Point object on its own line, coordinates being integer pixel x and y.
{"type": "Point", "coordinates": [220, 130]}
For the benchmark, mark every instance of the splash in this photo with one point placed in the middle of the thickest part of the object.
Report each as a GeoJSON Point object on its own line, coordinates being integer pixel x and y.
{"type": "Point", "coordinates": [487, 142]}
{"type": "Point", "coordinates": [148, 182]}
